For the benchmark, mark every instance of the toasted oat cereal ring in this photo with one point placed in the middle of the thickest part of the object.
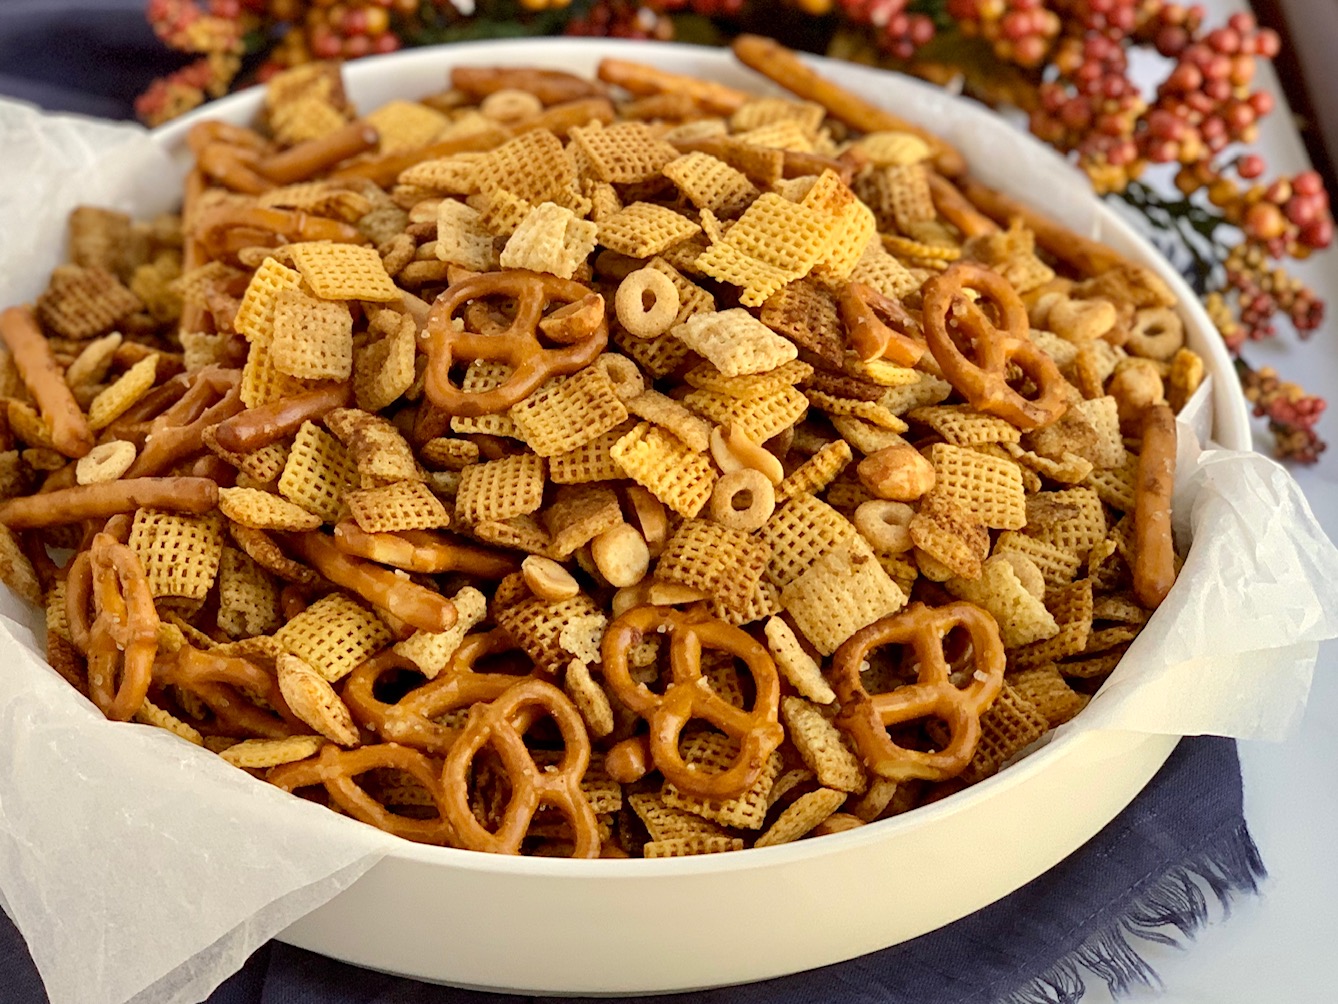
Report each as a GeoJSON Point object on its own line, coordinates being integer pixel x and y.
{"type": "Point", "coordinates": [624, 374]}
{"type": "Point", "coordinates": [1157, 333]}
{"type": "Point", "coordinates": [646, 303]}
{"type": "Point", "coordinates": [743, 500]}
{"type": "Point", "coordinates": [509, 104]}
{"type": "Point", "coordinates": [31, 353]}
{"type": "Point", "coordinates": [105, 462]}
{"type": "Point", "coordinates": [517, 345]}
{"type": "Point", "coordinates": [885, 525]}
{"type": "Point", "coordinates": [410, 602]}
{"type": "Point", "coordinates": [98, 501]}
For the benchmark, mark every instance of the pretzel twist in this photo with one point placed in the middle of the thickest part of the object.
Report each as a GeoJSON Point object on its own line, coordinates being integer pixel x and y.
{"type": "Point", "coordinates": [501, 725]}
{"type": "Point", "coordinates": [113, 622]}
{"type": "Point", "coordinates": [582, 337]}
{"type": "Point", "coordinates": [689, 696]}
{"type": "Point", "coordinates": [866, 717]}
{"type": "Point", "coordinates": [863, 310]}
{"type": "Point", "coordinates": [976, 362]}
{"type": "Point", "coordinates": [336, 769]}
{"type": "Point", "coordinates": [231, 688]}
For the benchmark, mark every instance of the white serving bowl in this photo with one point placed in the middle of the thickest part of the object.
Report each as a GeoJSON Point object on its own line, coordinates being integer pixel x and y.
{"type": "Point", "coordinates": [604, 927]}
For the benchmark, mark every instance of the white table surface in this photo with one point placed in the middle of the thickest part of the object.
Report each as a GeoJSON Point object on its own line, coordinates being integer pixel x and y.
{"type": "Point", "coordinates": [1278, 947]}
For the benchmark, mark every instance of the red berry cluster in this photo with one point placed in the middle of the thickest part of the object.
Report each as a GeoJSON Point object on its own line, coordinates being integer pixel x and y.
{"type": "Point", "coordinates": [1019, 31]}
{"type": "Point", "coordinates": [629, 19]}
{"type": "Point", "coordinates": [896, 30]}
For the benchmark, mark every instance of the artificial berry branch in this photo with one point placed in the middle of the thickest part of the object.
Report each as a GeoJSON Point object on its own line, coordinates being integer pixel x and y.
{"type": "Point", "coordinates": [1066, 63]}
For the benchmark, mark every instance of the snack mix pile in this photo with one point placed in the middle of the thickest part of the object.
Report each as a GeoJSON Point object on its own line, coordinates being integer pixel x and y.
{"type": "Point", "coordinates": [614, 468]}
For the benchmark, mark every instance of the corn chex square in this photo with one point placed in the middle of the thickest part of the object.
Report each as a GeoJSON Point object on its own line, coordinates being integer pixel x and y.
{"type": "Point", "coordinates": [806, 313]}
{"type": "Point", "coordinates": [801, 817]}
{"type": "Point", "coordinates": [710, 753]}
{"type": "Point", "coordinates": [759, 418]}
{"type": "Point", "coordinates": [692, 299]}
{"type": "Point", "coordinates": [578, 514]}
{"type": "Point", "coordinates": [720, 561]}
{"type": "Point", "coordinates": [844, 590]}
{"type": "Point", "coordinates": [660, 462]}
{"type": "Point", "coordinates": [704, 376]}
{"type": "Point", "coordinates": [255, 316]}
{"type": "Point", "coordinates": [462, 237]}
{"type": "Point", "coordinates": [710, 183]}
{"type": "Point", "coordinates": [657, 356]}
{"type": "Point", "coordinates": [735, 342]}
{"type": "Point", "coordinates": [180, 553]}
{"type": "Point", "coordinates": [625, 153]}
{"type": "Point", "coordinates": [481, 375]}
{"type": "Point", "coordinates": [1022, 617]}
{"type": "Point", "coordinates": [1010, 725]}
{"type": "Point", "coordinates": [590, 462]}
{"type": "Point", "coordinates": [756, 278]}
{"type": "Point", "coordinates": [263, 382]}
{"type": "Point", "coordinates": [1071, 606]}
{"type": "Point", "coordinates": [319, 473]}
{"type": "Point", "coordinates": [82, 302]}
{"type": "Point", "coordinates": [533, 167]}
{"type": "Point", "coordinates": [962, 425]}
{"type": "Point", "coordinates": [313, 339]}
{"type": "Point", "coordinates": [989, 488]}
{"type": "Point", "coordinates": [384, 370]}
{"type": "Point", "coordinates": [665, 822]}
{"type": "Point", "coordinates": [550, 239]}
{"type": "Point", "coordinates": [344, 271]}
{"type": "Point", "coordinates": [820, 746]}
{"type": "Point", "coordinates": [406, 125]}
{"type": "Point", "coordinates": [536, 626]}
{"type": "Point", "coordinates": [248, 602]}
{"type": "Point", "coordinates": [500, 489]}
{"type": "Point", "coordinates": [262, 510]}
{"type": "Point", "coordinates": [644, 229]}
{"type": "Point", "coordinates": [800, 532]}
{"type": "Point", "coordinates": [568, 412]}
{"type": "Point", "coordinates": [404, 505]}
{"type": "Point", "coordinates": [378, 448]}
{"type": "Point", "coordinates": [883, 272]}
{"type": "Point", "coordinates": [1084, 529]}
{"type": "Point", "coordinates": [334, 635]}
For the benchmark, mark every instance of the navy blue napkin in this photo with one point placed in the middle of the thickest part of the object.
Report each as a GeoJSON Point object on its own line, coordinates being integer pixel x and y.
{"type": "Point", "coordinates": [1139, 878]}
{"type": "Point", "coordinates": [1136, 879]}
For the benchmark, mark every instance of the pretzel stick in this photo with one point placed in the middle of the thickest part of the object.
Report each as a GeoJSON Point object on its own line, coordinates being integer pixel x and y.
{"type": "Point", "coordinates": [42, 376]}
{"type": "Point", "coordinates": [423, 551]}
{"type": "Point", "coordinates": [561, 119]}
{"type": "Point", "coordinates": [1154, 547]}
{"type": "Point", "coordinates": [300, 162]}
{"type": "Point", "coordinates": [776, 62]}
{"type": "Point", "coordinates": [638, 78]}
{"type": "Point", "coordinates": [379, 586]}
{"type": "Point", "coordinates": [1081, 253]}
{"type": "Point", "coordinates": [257, 427]}
{"type": "Point", "coordinates": [552, 87]}
{"type": "Point", "coordinates": [98, 501]}
{"type": "Point", "coordinates": [384, 170]}
{"type": "Point", "coordinates": [957, 209]}
{"type": "Point", "coordinates": [174, 435]}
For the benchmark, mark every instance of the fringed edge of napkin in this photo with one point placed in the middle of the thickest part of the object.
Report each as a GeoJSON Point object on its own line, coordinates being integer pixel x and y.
{"type": "Point", "coordinates": [1228, 865]}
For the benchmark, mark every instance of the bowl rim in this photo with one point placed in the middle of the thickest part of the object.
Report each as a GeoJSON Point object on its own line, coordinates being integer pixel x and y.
{"type": "Point", "coordinates": [1230, 426]}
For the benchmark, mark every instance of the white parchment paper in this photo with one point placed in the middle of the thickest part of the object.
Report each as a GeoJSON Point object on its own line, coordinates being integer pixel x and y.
{"type": "Point", "coordinates": [139, 867]}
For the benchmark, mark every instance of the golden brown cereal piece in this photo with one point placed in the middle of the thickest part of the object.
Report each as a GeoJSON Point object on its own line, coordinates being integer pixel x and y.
{"type": "Point", "coordinates": [591, 462]}
{"type": "Point", "coordinates": [800, 532]}
{"type": "Point", "coordinates": [962, 425]}
{"type": "Point", "coordinates": [248, 603]}
{"type": "Point", "coordinates": [319, 473]}
{"type": "Point", "coordinates": [795, 664]}
{"type": "Point", "coordinates": [312, 339]}
{"type": "Point", "coordinates": [314, 701]}
{"type": "Point", "coordinates": [548, 580]}
{"type": "Point", "coordinates": [566, 413]}
{"type": "Point", "coordinates": [105, 462]}
{"type": "Point", "coordinates": [625, 153]}
{"type": "Point", "coordinates": [343, 272]}
{"type": "Point", "coordinates": [758, 418]}
{"type": "Point", "coordinates": [952, 537]}
{"type": "Point", "coordinates": [500, 489]}
{"type": "Point", "coordinates": [711, 752]}
{"type": "Point", "coordinates": [378, 448]}
{"type": "Point", "coordinates": [743, 500]}
{"type": "Point", "coordinates": [463, 238]}
{"type": "Point", "coordinates": [255, 316]}
{"type": "Point", "coordinates": [806, 313]}
{"type": "Point", "coordinates": [551, 238]}
{"type": "Point", "coordinates": [665, 822]}
{"type": "Point", "coordinates": [451, 454]}
{"type": "Point", "coordinates": [483, 375]}
{"type": "Point", "coordinates": [262, 510]}
{"type": "Point", "coordinates": [1057, 565]}
{"type": "Point", "coordinates": [1022, 617]}
{"type": "Point", "coordinates": [263, 382]}
{"type": "Point", "coordinates": [757, 279]}
{"type": "Point", "coordinates": [735, 342]}
{"type": "Point", "coordinates": [82, 302]}
{"type": "Point", "coordinates": [406, 125]}
{"type": "Point", "coordinates": [817, 472]}
{"type": "Point", "coordinates": [258, 754]}
{"type": "Point", "coordinates": [333, 635]}
{"type": "Point", "coordinates": [1071, 606]}
{"type": "Point", "coordinates": [819, 744]}
{"type": "Point", "coordinates": [129, 388]}
{"type": "Point", "coordinates": [384, 369]}
{"type": "Point", "coordinates": [537, 626]}
{"type": "Point", "coordinates": [801, 816]}
{"type": "Point", "coordinates": [431, 651]}
{"type": "Point", "coordinates": [885, 525]}
{"type": "Point", "coordinates": [724, 563]}
{"type": "Point", "coordinates": [664, 465]}
{"type": "Point", "coordinates": [1083, 530]}
{"type": "Point", "coordinates": [621, 555]}
{"type": "Point", "coordinates": [150, 714]}
{"type": "Point", "coordinates": [579, 514]}
{"type": "Point", "coordinates": [647, 303]}
{"type": "Point", "coordinates": [841, 592]}
{"type": "Point", "coordinates": [989, 488]}
{"type": "Point", "coordinates": [262, 549]}
{"type": "Point", "coordinates": [657, 356]}
{"type": "Point", "coordinates": [1011, 724]}
{"type": "Point", "coordinates": [16, 571]}
{"type": "Point", "coordinates": [1115, 485]}
{"type": "Point", "coordinates": [645, 229]}
{"type": "Point", "coordinates": [180, 553]}
{"type": "Point", "coordinates": [710, 183]}
{"type": "Point", "coordinates": [705, 376]}
{"type": "Point", "coordinates": [1046, 690]}
{"type": "Point", "coordinates": [667, 413]}
{"type": "Point", "coordinates": [589, 697]}
{"type": "Point", "coordinates": [523, 533]}
{"type": "Point", "coordinates": [680, 847]}
{"type": "Point", "coordinates": [533, 167]}
{"type": "Point", "coordinates": [403, 505]}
